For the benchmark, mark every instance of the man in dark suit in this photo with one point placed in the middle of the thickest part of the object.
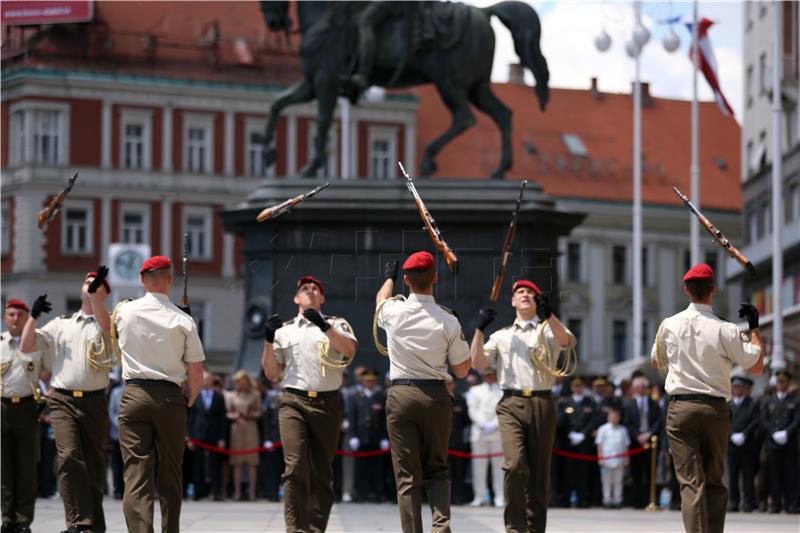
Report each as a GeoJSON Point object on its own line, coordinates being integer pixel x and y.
{"type": "Point", "coordinates": [642, 416]}
{"type": "Point", "coordinates": [367, 416]}
{"type": "Point", "coordinates": [742, 452]}
{"type": "Point", "coordinates": [780, 417]}
{"type": "Point", "coordinates": [271, 461]}
{"type": "Point", "coordinates": [459, 441]}
{"type": "Point", "coordinates": [207, 424]}
{"type": "Point", "coordinates": [577, 417]}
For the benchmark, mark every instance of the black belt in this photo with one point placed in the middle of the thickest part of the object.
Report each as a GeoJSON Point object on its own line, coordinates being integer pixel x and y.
{"type": "Point", "coordinates": [17, 399]}
{"type": "Point", "coordinates": [81, 393]}
{"type": "Point", "coordinates": [417, 382]}
{"type": "Point", "coordinates": [312, 393]}
{"type": "Point", "coordinates": [526, 393]}
{"type": "Point", "coordinates": [694, 397]}
{"type": "Point", "coordinates": [142, 381]}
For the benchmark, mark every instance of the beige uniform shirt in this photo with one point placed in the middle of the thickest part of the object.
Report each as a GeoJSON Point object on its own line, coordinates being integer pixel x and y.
{"type": "Point", "coordinates": [422, 337]}
{"type": "Point", "coordinates": [156, 339]}
{"type": "Point", "coordinates": [701, 349]}
{"type": "Point", "coordinates": [297, 346]}
{"type": "Point", "coordinates": [20, 370]}
{"type": "Point", "coordinates": [67, 340]}
{"type": "Point", "coordinates": [508, 350]}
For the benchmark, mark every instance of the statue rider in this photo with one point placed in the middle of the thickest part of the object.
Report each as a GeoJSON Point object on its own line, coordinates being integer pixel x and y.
{"type": "Point", "coordinates": [368, 21]}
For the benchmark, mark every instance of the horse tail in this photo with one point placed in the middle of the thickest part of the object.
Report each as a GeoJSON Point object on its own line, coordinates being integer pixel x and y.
{"type": "Point", "coordinates": [526, 30]}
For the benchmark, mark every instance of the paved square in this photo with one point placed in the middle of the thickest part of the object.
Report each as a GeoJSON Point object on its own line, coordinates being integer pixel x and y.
{"type": "Point", "coordinates": [267, 517]}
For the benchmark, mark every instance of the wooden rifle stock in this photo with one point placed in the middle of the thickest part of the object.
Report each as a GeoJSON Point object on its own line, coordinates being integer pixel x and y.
{"type": "Point", "coordinates": [283, 207]}
{"type": "Point", "coordinates": [430, 224]}
{"type": "Point", "coordinates": [512, 229]}
{"type": "Point", "coordinates": [716, 234]}
{"type": "Point", "coordinates": [50, 212]}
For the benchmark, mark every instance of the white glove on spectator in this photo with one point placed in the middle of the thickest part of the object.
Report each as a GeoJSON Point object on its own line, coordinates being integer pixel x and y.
{"type": "Point", "coordinates": [737, 438]}
{"type": "Point", "coordinates": [576, 438]}
{"type": "Point", "coordinates": [384, 444]}
{"type": "Point", "coordinates": [354, 443]}
{"type": "Point", "coordinates": [488, 427]}
{"type": "Point", "coordinates": [267, 444]}
{"type": "Point", "coordinates": [780, 437]}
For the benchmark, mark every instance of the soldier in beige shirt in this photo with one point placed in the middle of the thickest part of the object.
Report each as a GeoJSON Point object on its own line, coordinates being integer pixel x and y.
{"type": "Point", "coordinates": [308, 353]}
{"type": "Point", "coordinates": [20, 424]}
{"type": "Point", "coordinates": [526, 414]}
{"type": "Point", "coordinates": [78, 347]}
{"type": "Point", "coordinates": [422, 338]}
{"type": "Point", "coordinates": [697, 349]}
{"type": "Point", "coordinates": [160, 350]}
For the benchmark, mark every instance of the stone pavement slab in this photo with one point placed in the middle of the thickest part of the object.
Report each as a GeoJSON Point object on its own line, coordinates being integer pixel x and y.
{"type": "Point", "coordinates": [267, 517]}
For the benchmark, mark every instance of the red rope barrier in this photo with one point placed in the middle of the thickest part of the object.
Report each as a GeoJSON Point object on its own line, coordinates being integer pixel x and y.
{"type": "Point", "coordinates": [454, 453]}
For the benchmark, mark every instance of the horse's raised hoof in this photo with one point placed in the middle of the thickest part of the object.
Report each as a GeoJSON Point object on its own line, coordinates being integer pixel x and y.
{"type": "Point", "coordinates": [270, 155]}
{"type": "Point", "coordinates": [428, 167]}
{"type": "Point", "coordinates": [498, 174]}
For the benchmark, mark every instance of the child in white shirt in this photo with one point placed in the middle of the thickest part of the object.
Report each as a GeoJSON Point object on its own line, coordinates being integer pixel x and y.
{"type": "Point", "coordinates": [612, 439]}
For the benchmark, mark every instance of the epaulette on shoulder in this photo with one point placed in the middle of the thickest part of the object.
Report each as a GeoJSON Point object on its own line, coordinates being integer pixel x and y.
{"type": "Point", "coordinates": [65, 316]}
{"type": "Point", "coordinates": [289, 322]}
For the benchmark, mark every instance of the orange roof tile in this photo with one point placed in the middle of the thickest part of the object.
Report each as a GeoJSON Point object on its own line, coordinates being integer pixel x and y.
{"type": "Point", "coordinates": [605, 125]}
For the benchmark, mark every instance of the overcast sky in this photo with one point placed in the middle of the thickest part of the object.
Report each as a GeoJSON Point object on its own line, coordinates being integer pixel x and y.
{"type": "Point", "coordinates": [569, 29]}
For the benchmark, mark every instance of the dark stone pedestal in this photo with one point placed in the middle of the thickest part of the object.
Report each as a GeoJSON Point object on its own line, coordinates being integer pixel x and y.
{"type": "Point", "coordinates": [345, 234]}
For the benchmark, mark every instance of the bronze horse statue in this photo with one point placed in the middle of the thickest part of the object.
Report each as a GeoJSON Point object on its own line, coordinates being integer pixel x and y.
{"type": "Point", "coordinates": [455, 55]}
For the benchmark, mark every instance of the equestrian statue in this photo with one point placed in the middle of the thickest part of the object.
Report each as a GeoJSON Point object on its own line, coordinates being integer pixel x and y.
{"type": "Point", "coordinates": [347, 47]}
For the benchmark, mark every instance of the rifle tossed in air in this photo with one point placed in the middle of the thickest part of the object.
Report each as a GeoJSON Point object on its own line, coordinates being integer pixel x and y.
{"type": "Point", "coordinates": [49, 213]}
{"type": "Point", "coordinates": [512, 228]}
{"type": "Point", "coordinates": [278, 210]}
{"type": "Point", "coordinates": [430, 224]}
{"type": "Point", "coordinates": [185, 271]}
{"type": "Point", "coordinates": [716, 234]}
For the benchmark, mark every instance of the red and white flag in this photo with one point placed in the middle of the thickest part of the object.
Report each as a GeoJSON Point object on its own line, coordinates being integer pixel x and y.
{"type": "Point", "coordinates": [707, 63]}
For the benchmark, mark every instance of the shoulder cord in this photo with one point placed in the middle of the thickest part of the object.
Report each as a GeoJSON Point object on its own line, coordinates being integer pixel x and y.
{"type": "Point", "coordinates": [383, 350]}
{"type": "Point", "coordinates": [661, 356]}
{"type": "Point", "coordinates": [542, 357]}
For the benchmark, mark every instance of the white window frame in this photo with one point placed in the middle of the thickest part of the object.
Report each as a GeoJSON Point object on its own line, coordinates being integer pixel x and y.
{"type": "Point", "coordinates": [88, 205]}
{"type": "Point", "coordinates": [581, 255]}
{"type": "Point", "coordinates": [333, 149]}
{"type": "Point", "coordinates": [144, 118]}
{"type": "Point", "coordinates": [202, 121]}
{"type": "Point", "coordinates": [255, 125]}
{"type": "Point", "coordinates": [626, 344]}
{"type": "Point", "coordinates": [208, 214]}
{"type": "Point", "coordinates": [388, 134]}
{"type": "Point", "coordinates": [29, 108]}
{"type": "Point", "coordinates": [5, 238]}
{"type": "Point", "coordinates": [140, 208]}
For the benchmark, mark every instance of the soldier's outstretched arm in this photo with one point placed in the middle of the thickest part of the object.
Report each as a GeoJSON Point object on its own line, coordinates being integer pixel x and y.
{"type": "Point", "coordinates": [390, 270]}
{"type": "Point", "coordinates": [272, 369]}
{"type": "Point", "coordinates": [476, 353]}
{"type": "Point", "coordinates": [194, 379]}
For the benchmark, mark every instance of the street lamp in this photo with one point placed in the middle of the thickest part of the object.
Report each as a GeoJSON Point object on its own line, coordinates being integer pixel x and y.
{"type": "Point", "coordinates": [639, 38]}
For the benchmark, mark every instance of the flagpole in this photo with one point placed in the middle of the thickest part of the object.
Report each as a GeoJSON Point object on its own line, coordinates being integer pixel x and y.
{"type": "Point", "coordinates": [694, 170]}
{"type": "Point", "coordinates": [777, 193]}
{"type": "Point", "coordinates": [637, 197]}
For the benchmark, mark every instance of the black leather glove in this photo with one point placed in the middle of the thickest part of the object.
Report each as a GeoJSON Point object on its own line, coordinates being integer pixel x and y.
{"type": "Point", "coordinates": [313, 315]}
{"type": "Point", "coordinates": [390, 270]}
{"type": "Point", "coordinates": [41, 305]}
{"type": "Point", "coordinates": [102, 273]}
{"type": "Point", "coordinates": [274, 323]}
{"type": "Point", "coordinates": [543, 308]}
{"type": "Point", "coordinates": [750, 312]}
{"type": "Point", "coordinates": [485, 317]}
{"type": "Point", "coordinates": [187, 309]}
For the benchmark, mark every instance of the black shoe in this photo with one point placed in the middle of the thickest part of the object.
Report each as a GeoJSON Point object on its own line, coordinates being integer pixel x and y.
{"type": "Point", "coordinates": [22, 528]}
{"type": "Point", "coordinates": [8, 527]}
{"type": "Point", "coordinates": [746, 509]}
{"type": "Point", "coordinates": [774, 510]}
{"type": "Point", "coordinates": [733, 508]}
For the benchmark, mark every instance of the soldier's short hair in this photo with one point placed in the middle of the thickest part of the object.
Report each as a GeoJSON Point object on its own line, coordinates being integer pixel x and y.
{"type": "Point", "coordinates": [420, 280]}
{"type": "Point", "coordinates": [699, 289]}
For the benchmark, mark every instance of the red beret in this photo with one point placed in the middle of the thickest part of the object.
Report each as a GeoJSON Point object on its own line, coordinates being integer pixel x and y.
{"type": "Point", "coordinates": [700, 272]}
{"type": "Point", "coordinates": [310, 279]}
{"type": "Point", "coordinates": [105, 281]}
{"type": "Point", "coordinates": [419, 261]}
{"type": "Point", "coordinates": [526, 283]}
{"type": "Point", "coordinates": [157, 262]}
{"type": "Point", "coordinates": [17, 304]}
